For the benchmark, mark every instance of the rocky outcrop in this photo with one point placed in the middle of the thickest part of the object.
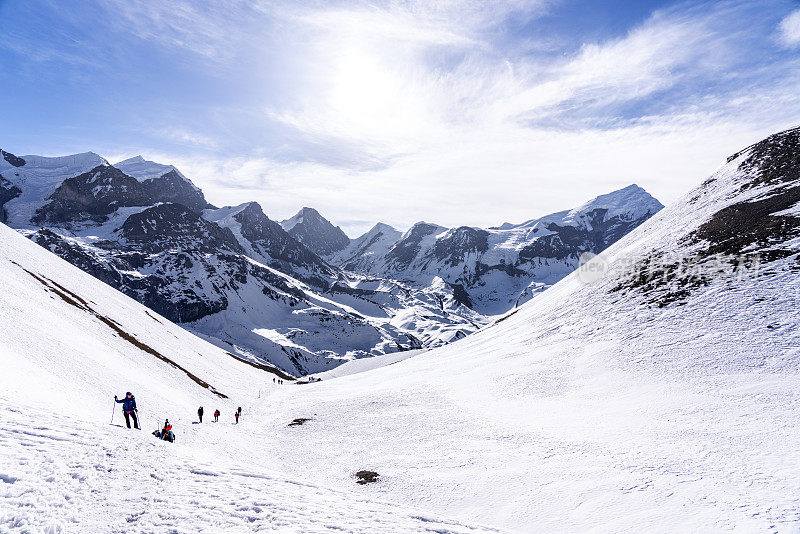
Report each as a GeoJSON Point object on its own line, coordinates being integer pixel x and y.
{"type": "Point", "coordinates": [92, 196]}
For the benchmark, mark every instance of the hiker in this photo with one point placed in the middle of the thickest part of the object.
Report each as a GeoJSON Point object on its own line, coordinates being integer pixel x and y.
{"type": "Point", "coordinates": [216, 415]}
{"type": "Point", "coordinates": [165, 433]}
{"type": "Point", "coordinates": [200, 413]}
{"type": "Point", "coordinates": [237, 414]}
{"type": "Point", "coordinates": [129, 409]}
{"type": "Point", "coordinates": [273, 380]}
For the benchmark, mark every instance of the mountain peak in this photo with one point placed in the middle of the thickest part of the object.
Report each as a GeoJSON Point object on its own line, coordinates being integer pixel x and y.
{"type": "Point", "coordinates": [143, 169]}
{"type": "Point", "coordinates": [316, 232]}
{"type": "Point", "coordinates": [382, 227]}
{"type": "Point", "coordinates": [134, 159]}
{"type": "Point", "coordinates": [631, 202]}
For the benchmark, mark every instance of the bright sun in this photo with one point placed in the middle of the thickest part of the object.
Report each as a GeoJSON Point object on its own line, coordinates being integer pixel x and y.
{"type": "Point", "coordinates": [368, 96]}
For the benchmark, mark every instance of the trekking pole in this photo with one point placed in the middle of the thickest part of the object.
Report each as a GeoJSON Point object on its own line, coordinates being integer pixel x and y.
{"type": "Point", "coordinates": [113, 411]}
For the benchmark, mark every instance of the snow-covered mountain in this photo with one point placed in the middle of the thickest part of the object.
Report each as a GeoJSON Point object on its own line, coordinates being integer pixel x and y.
{"type": "Point", "coordinates": [30, 180]}
{"type": "Point", "coordinates": [316, 232]}
{"type": "Point", "coordinates": [298, 294]}
{"type": "Point", "coordinates": [493, 270]}
{"type": "Point", "coordinates": [231, 274]}
{"type": "Point", "coordinates": [164, 182]}
{"type": "Point", "coordinates": [656, 389]}
{"type": "Point", "coordinates": [359, 254]}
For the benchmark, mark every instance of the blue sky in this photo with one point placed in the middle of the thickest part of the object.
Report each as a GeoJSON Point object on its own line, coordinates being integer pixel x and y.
{"type": "Point", "coordinates": [452, 111]}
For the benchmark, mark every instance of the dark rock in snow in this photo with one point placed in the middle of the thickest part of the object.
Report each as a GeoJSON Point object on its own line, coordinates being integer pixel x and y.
{"type": "Point", "coordinates": [366, 477]}
{"type": "Point", "coordinates": [92, 196]}
{"type": "Point", "coordinates": [268, 238]}
{"type": "Point", "coordinates": [175, 225]}
{"type": "Point", "coordinates": [8, 191]}
{"type": "Point", "coordinates": [16, 161]}
{"type": "Point", "coordinates": [172, 187]}
{"type": "Point", "coordinates": [405, 250]}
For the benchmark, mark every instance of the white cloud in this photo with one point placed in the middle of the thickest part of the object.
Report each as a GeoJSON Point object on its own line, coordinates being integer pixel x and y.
{"type": "Point", "coordinates": [455, 130]}
{"type": "Point", "coordinates": [789, 29]}
{"type": "Point", "coordinates": [459, 139]}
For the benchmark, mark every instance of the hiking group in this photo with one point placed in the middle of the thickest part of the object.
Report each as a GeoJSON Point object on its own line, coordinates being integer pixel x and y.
{"type": "Point", "coordinates": [130, 411]}
{"type": "Point", "coordinates": [236, 414]}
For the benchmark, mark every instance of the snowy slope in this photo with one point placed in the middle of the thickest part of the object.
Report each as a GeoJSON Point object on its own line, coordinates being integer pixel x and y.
{"type": "Point", "coordinates": [121, 344]}
{"type": "Point", "coordinates": [663, 397]}
{"type": "Point", "coordinates": [68, 343]}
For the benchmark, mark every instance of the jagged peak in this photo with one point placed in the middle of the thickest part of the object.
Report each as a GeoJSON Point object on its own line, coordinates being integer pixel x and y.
{"type": "Point", "coordinates": [378, 229]}
{"type": "Point", "coordinates": [305, 215]}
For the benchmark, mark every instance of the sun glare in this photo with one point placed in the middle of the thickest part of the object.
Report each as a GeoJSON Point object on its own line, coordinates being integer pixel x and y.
{"type": "Point", "coordinates": [370, 97]}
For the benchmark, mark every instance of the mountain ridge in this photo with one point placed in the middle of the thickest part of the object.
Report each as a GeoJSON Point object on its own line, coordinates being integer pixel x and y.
{"type": "Point", "coordinates": [242, 280]}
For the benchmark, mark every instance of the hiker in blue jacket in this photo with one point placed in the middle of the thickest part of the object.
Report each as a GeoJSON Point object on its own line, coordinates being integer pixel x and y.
{"type": "Point", "coordinates": [129, 409]}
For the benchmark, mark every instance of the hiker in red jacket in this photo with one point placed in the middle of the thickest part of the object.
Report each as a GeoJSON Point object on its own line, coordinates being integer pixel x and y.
{"type": "Point", "coordinates": [216, 415]}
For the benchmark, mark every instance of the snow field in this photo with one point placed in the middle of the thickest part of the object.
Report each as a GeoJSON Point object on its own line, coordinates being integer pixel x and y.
{"type": "Point", "coordinates": [61, 474]}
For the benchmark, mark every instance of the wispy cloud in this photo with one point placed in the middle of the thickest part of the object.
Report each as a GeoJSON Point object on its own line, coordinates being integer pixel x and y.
{"type": "Point", "coordinates": [790, 29]}
{"type": "Point", "coordinates": [456, 111]}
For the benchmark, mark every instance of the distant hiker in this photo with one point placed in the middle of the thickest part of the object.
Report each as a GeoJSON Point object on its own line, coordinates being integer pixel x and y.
{"type": "Point", "coordinates": [129, 409]}
{"type": "Point", "coordinates": [216, 415]}
{"type": "Point", "coordinates": [200, 413]}
{"type": "Point", "coordinates": [273, 380]}
{"type": "Point", "coordinates": [237, 414]}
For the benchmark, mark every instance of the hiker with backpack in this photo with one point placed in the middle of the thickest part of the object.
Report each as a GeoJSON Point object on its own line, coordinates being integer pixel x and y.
{"type": "Point", "coordinates": [237, 414]}
{"type": "Point", "coordinates": [129, 409]}
{"type": "Point", "coordinates": [216, 415]}
{"type": "Point", "coordinates": [200, 413]}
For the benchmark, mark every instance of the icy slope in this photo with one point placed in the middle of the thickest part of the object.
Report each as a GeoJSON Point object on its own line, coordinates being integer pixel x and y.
{"type": "Point", "coordinates": [663, 403]}
{"type": "Point", "coordinates": [361, 252]}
